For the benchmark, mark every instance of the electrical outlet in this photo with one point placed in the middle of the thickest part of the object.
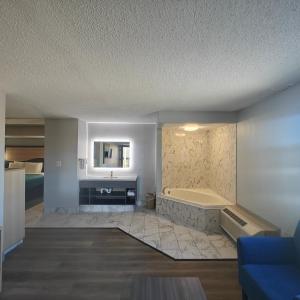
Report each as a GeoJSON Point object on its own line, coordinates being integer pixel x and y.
{"type": "Point", "coordinates": [58, 163]}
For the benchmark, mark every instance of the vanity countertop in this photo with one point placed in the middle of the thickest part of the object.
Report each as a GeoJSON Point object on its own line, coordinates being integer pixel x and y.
{"type": "Point", "coordinates": [108, 178]}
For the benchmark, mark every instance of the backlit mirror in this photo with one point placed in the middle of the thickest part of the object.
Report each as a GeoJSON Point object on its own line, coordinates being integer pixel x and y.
{"type": "Point", "coordinates": [111, 154]}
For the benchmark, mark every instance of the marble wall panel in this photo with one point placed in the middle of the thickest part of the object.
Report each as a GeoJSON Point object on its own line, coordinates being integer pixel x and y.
{"type": "Point", "coordinates": [184, 159]}
{"type": "Point", "coordinates": [185, 214]}
{"type": "Point", "coordinates": [201, 159]}
{"type": "Point", "coordinates": [222, 159]}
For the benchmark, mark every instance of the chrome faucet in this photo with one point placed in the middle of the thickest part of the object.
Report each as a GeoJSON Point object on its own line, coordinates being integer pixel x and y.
{"type": "Point", "coordinates": [111, 174]}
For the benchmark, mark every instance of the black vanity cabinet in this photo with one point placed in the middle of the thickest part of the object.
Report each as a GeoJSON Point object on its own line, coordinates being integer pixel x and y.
{"type": "Point", "coordinates": [108, 191]}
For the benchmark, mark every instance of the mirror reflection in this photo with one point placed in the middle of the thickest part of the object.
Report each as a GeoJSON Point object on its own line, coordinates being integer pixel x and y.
{"type": "Point", "coordinates": [111, 154]}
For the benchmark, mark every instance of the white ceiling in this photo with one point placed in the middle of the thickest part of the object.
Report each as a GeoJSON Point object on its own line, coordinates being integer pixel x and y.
{"type": "Point", "coordinates": [100, 60]}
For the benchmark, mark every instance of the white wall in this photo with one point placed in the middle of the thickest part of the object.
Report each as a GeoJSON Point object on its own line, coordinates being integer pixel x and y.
{"type": "Point", "coordinates": [143, 138]}
{"type": "Point", "coordinates": [196, 117]}
{"type": "Point", "coordinates": [268, 159]}
{"type": "Point", "coordinates": [61, 189]}
{"type": "Point", "coordinates": [2, 150]}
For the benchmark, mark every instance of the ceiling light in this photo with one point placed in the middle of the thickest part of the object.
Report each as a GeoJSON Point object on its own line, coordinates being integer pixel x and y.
{"type": "Point", "coordinates": [191, 127]}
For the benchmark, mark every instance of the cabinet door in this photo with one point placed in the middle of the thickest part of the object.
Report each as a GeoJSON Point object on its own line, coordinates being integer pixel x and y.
{"type": "Point", "coordinates": [84, 196]}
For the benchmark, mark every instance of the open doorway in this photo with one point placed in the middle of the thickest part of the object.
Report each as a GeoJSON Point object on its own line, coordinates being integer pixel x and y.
{"type": "Point", "coordinates": [24, 148]}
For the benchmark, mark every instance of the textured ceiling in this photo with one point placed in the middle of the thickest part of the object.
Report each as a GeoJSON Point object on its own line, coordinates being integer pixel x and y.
{"type": "Point", "coordinates": [122, 59]}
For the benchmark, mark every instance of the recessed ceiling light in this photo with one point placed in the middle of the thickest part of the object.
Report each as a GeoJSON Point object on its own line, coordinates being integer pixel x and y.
{"type": "Point", "coordinates": [191, 127]}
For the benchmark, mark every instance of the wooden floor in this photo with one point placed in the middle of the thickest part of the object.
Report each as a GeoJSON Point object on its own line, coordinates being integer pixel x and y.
{"type": "Point", "coordinates": [100, 264]}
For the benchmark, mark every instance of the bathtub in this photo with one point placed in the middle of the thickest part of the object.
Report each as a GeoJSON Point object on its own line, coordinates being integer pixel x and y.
{"type": "Point", "coordinates": [203, 198]}
{"type": "Point", "coordinates": [197, 208]}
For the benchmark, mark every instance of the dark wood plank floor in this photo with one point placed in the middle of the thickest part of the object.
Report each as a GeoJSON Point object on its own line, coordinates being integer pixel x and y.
{"type": "Point", "coordinates": [100, 264]}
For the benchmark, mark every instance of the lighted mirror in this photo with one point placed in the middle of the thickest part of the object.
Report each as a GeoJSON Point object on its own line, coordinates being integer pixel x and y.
{"type": "Point", "coordinates": [111, 154]}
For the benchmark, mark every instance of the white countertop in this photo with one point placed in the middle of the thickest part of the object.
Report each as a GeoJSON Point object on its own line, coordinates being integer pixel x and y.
{"type": "Point", "coordinates": [108, 178]}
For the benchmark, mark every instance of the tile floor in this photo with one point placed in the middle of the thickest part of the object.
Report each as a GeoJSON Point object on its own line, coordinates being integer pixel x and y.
{"type": "Point", "coordinates": [177, 241]}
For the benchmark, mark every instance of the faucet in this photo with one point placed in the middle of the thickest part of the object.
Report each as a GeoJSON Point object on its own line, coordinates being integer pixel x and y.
{"type": "Point", "coordinates": [111, 174]}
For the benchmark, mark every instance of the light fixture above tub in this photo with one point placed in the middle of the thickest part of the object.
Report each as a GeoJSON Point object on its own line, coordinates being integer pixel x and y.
{"type": "Point", "coordinates": [191, 127]}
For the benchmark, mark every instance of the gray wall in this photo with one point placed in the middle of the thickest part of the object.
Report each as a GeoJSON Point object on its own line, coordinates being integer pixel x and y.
{"type": "Point", "coordinates": [25, 130]}
{"type": "Point", "coordinates": [2, 146]}
{"type": "Point", "coordinates": [24, 142]}
{"type": "Point", "coordinates": [61, 183]}
{"type": "Point", "coordinates": [143, 137]}
{"type": "Point", "coordinates": [82, 145]}
{"type": "Point", "coordinates": [158, 170]}
{"type": "Point", "coordinates": [268, 159]}
{"type": "Point", "coordinates": [24, 135]}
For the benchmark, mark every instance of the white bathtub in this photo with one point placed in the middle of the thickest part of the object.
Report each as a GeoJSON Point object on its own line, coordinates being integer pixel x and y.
{"type": "Point", "coordinates": [203, 198]}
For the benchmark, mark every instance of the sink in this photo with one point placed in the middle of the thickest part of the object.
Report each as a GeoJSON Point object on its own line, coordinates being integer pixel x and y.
{"type": "Point", "coordinates": [111, 177]}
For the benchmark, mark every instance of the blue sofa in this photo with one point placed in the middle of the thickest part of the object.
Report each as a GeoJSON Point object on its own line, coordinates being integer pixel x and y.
{"type": "Point", "coordinates": [269, 267]}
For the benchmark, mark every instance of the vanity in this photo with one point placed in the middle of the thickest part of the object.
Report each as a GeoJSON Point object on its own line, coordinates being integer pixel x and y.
{"type": "Point", "coordinates": [104, 192]}
{"type": "Point", "coordinates": [121, 190]}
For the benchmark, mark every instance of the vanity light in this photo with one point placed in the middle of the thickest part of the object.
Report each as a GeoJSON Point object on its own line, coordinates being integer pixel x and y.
{"type": "Point", "coordinates": [191, 127]}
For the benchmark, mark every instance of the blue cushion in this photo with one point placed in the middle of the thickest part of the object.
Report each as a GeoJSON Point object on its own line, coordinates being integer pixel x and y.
{"type": "Point", "coordinates": [266, 250]}
{"type": "Point", "coordinates": [270, 282]}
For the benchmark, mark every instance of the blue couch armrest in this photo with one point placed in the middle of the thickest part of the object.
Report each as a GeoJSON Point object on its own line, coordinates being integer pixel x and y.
{"type": "Point", "coordinates": [266, 250]}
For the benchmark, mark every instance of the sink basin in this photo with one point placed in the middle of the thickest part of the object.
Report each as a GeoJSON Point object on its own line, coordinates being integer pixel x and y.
{"type": "Point", "coordinates": [111, 177]}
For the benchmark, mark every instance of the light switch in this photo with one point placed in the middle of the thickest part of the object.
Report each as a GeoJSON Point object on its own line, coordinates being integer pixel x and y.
{"type": "Point", "coordinates": [58, 163]}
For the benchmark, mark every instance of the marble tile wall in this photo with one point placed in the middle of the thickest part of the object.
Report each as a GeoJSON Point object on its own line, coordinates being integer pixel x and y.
{"type": "Point", "coordinates": [184, 159]}
{"type": "Point", "coordinates": [222, 158]}
{"type": "Point", "coordinates": [206, 220]}
{"type": "Point", "coordinates": [201, 159]}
